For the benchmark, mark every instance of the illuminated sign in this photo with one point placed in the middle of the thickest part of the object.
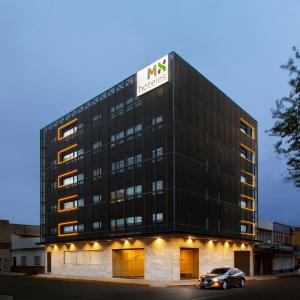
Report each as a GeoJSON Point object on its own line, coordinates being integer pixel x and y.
{"type": "Point", "coordinates": [152, 76]}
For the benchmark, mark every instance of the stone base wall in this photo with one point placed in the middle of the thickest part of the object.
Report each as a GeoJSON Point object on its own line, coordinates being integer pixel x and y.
{"type": "Point", "coordinates": [161, 256]}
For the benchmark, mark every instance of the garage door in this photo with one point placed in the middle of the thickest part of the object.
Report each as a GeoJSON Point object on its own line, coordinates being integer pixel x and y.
{"type": "Point", "coordinates": [189, 263]}
{"type": "Point", "coordinates": [128, 263]}
{"type": "Point", "coordinates": [242, 261]}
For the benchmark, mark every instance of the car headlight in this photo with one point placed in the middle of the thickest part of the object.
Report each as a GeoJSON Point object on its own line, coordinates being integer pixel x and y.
{"type": "Point", "coordinates": [215, 279]}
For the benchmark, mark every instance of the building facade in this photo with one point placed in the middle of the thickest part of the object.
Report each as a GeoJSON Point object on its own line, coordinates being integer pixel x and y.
{"type": "Point", "coordinates": [18, 249]}
{"type": "Point", "coordinates": [274, 253]}
{"type": "Point", "coordinates": [296, 245]}
{"type": "Point", "coordinates": [160, 168]}
{"type": "Point", "coordinates": [27, 255]}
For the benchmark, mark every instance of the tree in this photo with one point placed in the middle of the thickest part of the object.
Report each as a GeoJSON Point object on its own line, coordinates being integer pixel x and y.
{"type": "Point", "coordinates": [287, 124]}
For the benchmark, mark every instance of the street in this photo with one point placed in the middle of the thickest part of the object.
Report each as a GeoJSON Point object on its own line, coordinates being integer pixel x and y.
{"type": "Point", "coordinates": [31, 288]}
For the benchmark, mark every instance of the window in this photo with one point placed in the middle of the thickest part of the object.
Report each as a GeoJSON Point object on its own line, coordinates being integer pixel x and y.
{"type": "Point", "coordinates": [247, 153]}
{"type": "Point", "coordinates": [247, 228]}
{"type": "Point", "coordinates": [134, 191]}
{"type": "Point", "coordinates": [243, 203]}
{"type": "Point", "coordinates": [134, 220]}
{"type": "Point", "coordinates": [243, 153]}
{"type": "Point", "coordinates": [97, 173]}
{"type": "Point", "coordinates": [117, 222]}
{"type": "Point", "coordinates": [243, 127]}
{"type": "Point", "coordinates": [138, 191]}
{"type": "Point", "coordinates": [138, 128]}
{"type": "Point", "coordinates": [67, 129]}
{"type": "Point", "coordinates": [130, 131]}
{"type": "Point", "coordinates": [97, 199]}
{"type": "Point", "coordinates": [157, 154]}
{"type": "Point", "coordinates": [158, 217]}
{"type": "Point", "coordinates": [157, 186]}
{"type": "Point", "coordinates": [80, 202]}
{"type": "Point", "coordinates": [157, 120]}
{"type": "Point", "coordinates": [130, 192]}
{"type": "Point", "coordinates": [97, 117]}
{"type": "Point", "coordinates": [117, 196]}
{"type": "Point", "coordinates": [130, 161]}
{"type": "Point", "coordinates": [67, 154]}
{"type": "Point", "coordinates": [243, 228]}
{"type": "Point", "coordinates": [138, 159]}
{"type": "Point", "coordinates": [37, 260]}
{"type": "Point", "coordinates": [127, 105]}
{"type": "Point", "coordinates": [247, 129]}
{"type": "Point", "coordinates": [248, 178]}
{"type": "Point", "coordinates": [69, 180]}
{"type": "Point", "coordinates": [97, 145]}
{"type": "Point", "coordinates": [69, 228]}
{"type": "Point", "coordinates": [23, 260]}
{"type": "Point", "coordinates": [68, 205]}
{"type": "Point", "coordinates": [97, 225]}
{"type": "Point", "coordinates": [127, 133]}
{"type": "Point", "coordinates": [80, 228]}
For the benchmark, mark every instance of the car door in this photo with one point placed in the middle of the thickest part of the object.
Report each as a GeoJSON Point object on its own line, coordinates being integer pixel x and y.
{"type": "Point", "coordinates": [234, 277]}
{"type": "Point", "coordinates": [230, 278]}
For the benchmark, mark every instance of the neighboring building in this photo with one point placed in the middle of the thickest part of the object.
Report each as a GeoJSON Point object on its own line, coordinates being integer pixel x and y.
{"type": "Point", "coordinates": [274, 253]}
{"type": "Point", "coordinates": [296, 245]}
{"type": "Point", "coordinates": [26, 255]}
{"type": "Point", "coordinates": [16, 239]}
{"type": "Point", "coordinates": [155, 178]}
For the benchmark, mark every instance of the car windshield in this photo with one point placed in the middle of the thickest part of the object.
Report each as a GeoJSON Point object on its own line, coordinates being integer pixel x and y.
{"type": "Point", "coordinates": [219, 271]}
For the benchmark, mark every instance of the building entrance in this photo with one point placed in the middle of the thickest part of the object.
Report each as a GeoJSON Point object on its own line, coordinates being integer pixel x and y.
{"type": "Point", "coordinates": [189, 263]}
{"type": "Point", "coordinates": [128, 263]}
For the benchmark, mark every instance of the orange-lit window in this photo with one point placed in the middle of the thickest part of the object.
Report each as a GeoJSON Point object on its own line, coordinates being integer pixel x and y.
{"type": "Point", "coordinates": [247, 228]}
{"type": "Point", "coordinates": [247, 153]}
{"type": "Point", "coordinates": [248, 178]}
{"type": "Point", "coordinates": [67, 203]}
{"type": "Point", "coordinates": [67, 154]}
{"type": "Point", "coordinates": [68, 228]}
{"type": "Point", "coordinates": [67, 179]}
{"type": "Point", "coordinates": [67, 129]}
{"type": "Point", "coordinates": [247, 204]}
{"type": "Point", "coordinates": [247, 129]}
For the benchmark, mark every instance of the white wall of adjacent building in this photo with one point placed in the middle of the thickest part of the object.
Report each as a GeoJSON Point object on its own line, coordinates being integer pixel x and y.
{"type": "Point", "coordinates": [283, 263]}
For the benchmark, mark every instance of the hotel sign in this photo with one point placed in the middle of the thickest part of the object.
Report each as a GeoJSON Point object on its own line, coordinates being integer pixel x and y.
{"type": "Point", "coordinates": [152, 76]}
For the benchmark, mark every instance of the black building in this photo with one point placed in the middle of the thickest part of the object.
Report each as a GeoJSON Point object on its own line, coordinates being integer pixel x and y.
{"type": "Point", "coordinates": [178, 159]}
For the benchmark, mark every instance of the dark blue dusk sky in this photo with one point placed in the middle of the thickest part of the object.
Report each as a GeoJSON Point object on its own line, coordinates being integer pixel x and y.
{"type": "Point", "coordinates": [55, 55]}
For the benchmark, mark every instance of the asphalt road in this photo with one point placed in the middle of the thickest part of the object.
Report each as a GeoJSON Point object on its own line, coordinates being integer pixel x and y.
{"type": "Point", "coordinates": [30, 288]}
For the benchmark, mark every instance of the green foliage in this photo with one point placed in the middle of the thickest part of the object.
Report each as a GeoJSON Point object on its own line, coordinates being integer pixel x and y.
{"type": "Point", "coordinates": [287, 124]}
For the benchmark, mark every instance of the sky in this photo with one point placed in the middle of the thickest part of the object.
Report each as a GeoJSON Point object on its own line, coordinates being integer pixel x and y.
{"type": "Point", "coordinates": [55, 55]}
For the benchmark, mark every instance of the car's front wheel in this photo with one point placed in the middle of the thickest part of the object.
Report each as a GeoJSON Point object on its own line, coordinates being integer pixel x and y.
{"type": "Point", "coordinates": [224, 285]}
{"type": "Point", "coordinates": [242, 283]}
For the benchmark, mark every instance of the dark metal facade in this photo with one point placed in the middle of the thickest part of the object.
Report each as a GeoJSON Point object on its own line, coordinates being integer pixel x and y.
{"type": "Point", "coordinates": [178, 170]}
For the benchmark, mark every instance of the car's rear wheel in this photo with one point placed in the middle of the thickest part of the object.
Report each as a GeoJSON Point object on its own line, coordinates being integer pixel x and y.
{"type": "Point", "coordinates": [224, 285]}
{"type": "Point", "coordinates": [242, 283]}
